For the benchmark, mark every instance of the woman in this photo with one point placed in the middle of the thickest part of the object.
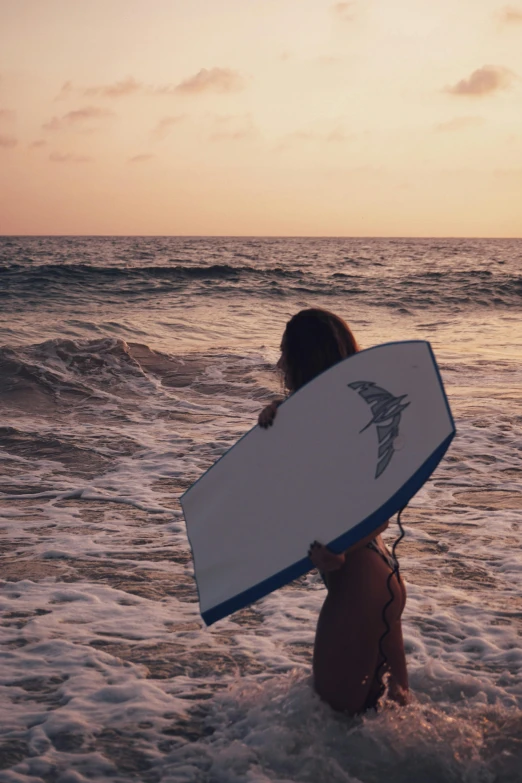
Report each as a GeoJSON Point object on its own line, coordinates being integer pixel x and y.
{"type": "Point", "coordinates": [352, 651]}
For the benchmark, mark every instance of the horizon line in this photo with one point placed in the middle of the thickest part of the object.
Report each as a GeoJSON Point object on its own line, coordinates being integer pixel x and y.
{"type": "Point", "coordinates": [254, 236]}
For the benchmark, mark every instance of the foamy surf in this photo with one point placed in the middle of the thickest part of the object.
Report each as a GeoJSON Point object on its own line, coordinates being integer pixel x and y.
{"type": "Point", "coordinates": [112, 406]}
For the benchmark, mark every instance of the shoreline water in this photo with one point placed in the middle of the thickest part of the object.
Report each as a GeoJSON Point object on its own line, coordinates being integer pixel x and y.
{"type": "Point", "coordinates": [114, 399]}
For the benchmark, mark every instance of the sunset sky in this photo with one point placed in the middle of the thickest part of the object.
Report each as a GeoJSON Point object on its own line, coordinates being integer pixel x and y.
{"type": "Point", "coordinates": [261, 117]}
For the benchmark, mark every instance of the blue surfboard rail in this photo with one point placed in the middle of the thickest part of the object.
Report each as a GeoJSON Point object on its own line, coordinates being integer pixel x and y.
{"type": "Point", "coordinates": [363, 529]}
{"type": "Point", "coordinates": [394, 504]}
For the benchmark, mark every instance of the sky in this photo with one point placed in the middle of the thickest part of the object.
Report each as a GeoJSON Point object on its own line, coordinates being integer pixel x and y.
{"type": "Point", "coordinates": [261, 117]}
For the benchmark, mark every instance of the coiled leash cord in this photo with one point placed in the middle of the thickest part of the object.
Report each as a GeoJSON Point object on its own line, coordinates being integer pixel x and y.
{"type": "Point", "coordinates": [379, 673]}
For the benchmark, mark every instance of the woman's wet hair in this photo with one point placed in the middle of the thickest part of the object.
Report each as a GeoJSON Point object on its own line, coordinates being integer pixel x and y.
{"type": "Point", "coordinates": [313, 341]}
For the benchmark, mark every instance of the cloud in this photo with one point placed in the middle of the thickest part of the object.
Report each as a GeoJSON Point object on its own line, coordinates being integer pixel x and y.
{"type": "Point", "coordinates": [65, 90]}
{"type": "Point", "coordinates": [7, 115]}
{"type": "Point", "coordinates": [344, 11]}
{"type": "Point", "coordinates": [54, 124]}
{"type": "Point", "coordinates": [221, 80]}
{"type": "Point", "coordinates": [76, 117]}
{"type": "Point", "coordinates": [66, 157]}
{"type": "Point", "coordinates": [484, 81]}
{"type": "Point", "coordinates": [120, 89]}
{"type": "Point", "coordinates": [87, 113]}
{"type": "Point", "coordinates": [8, 141]}
{"type": "Point", "coordinates": [166, 124]}
{"type": "Point", "coordinates": [128, 86]}
{"type": "Point", "coordinates": [511, 15]}
{"type": "Point", "coordinates": [459, 123]}
{"type": "Point", "coordinates": [231, 127]}
{"type": "Point", "coordinates": [140, 158]}
{"type": "Point", "coordinates": [333, 136]}
{"type": "Point", "coordinates": [238, 135]}
{"type": "Point", "coordinates": [37, 144]}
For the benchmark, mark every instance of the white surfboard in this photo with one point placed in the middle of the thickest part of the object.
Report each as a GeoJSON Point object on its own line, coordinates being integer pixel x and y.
{"type": "Point", "coordinates": [345, 452]}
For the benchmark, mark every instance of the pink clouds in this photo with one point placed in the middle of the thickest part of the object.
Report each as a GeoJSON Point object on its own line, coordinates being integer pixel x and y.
{"type": "Point", "coordinates": [140, 158]}
{"type": "Point", "coordinates": [8, 142]}
{"type": "Point", "coordinates": [123, 88]}
{"type": "Point", "coordinates": [217, 80]}
{"type": "Point", "coordinates": [76, 117]}
{"type": "Point", "coordinates": [234, 128]}
{"type": "Point", "coordinates": [65, 90]}
{"type": "Point", "coordinates": [459, 123]}
{"type": "Point", "coordinates": [128, 86]}
{"type": "Point", "coordinates": [344, 11]}
{"type": "Point", "coordinates": [511, 15]}
{"type": "Point", "coordinates": [166, 124]}
{"type": "Point", "coordinates": [119, 89]}
{"type": "Point", "coordinates": [7, 115]}
{"type": "Point", "coordinates": [334, 135]}
{"type": "Point", "coordinates": [54, 124]}
{"type": "Point", "coordinates": [484, 81]}
{"type": "Point", "coordinates": [221, 80]}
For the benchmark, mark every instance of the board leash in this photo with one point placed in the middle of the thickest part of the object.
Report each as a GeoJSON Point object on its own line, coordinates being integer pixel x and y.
{"type": "Point", "coordinates": [379, 673]}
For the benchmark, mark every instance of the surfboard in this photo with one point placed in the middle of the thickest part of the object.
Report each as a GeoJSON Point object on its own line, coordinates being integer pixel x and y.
{"type": "Point", "coordinates": [345, 452]}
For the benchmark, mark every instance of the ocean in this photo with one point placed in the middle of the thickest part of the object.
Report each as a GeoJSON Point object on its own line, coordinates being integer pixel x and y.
{"type": "Point", "coordinates": [128, 365]}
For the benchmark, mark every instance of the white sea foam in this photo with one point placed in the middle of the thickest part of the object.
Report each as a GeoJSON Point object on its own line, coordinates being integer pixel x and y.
{"type": "Point", "coordinates": [106, 670]}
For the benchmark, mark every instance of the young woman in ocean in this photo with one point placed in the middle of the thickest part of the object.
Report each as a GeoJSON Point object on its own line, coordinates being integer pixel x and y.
{"type": "Point", "coordinates": [351, 652]}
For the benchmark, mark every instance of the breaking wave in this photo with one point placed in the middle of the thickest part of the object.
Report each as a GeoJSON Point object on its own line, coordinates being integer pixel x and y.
{"type": "Point", "coordinates": [458, 289]}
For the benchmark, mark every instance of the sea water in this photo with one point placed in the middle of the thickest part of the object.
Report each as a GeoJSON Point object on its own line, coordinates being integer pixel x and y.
{"type": "Point", "coordinates": [127, 367]}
